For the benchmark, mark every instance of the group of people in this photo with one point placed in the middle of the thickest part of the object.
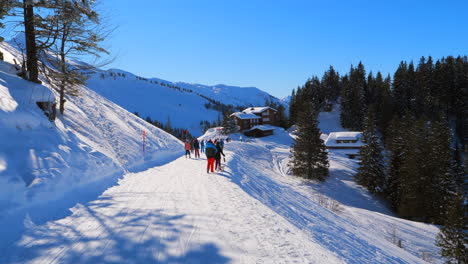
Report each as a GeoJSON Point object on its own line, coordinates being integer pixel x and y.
{"type": "Point", "coordinates": [212, 149]}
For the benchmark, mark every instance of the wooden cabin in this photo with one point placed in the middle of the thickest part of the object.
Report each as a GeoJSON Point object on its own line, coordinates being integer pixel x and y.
{"type": "Point", "coordinates": [347, 143]}
{"type": "Point", "coordinates": [267, 114]}
{"type": "Point", "coordinates": [245, 121]}
{"type": "Point", "coordinates": [259, 131]}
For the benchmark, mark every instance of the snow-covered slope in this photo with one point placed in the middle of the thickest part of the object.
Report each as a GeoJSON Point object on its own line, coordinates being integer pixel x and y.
{"type": "Point", "coordinates": [95, 139]}
{"type": "Point", "coordinates": [252, 212]}
{"type": "Point", "coordinates": [234, 95]}
{"type": "Point", "coordinates": [182, 103]}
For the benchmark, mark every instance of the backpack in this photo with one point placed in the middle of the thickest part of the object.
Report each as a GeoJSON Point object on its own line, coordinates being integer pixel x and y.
{"type": "Point", "coordinates": [210, 152]}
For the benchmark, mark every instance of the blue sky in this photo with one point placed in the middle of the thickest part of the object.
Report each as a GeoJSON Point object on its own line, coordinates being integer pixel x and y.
{"type": "Point", "coordinates": [276, 45]}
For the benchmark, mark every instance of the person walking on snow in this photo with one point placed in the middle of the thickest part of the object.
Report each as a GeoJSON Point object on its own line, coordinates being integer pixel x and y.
{"type": "Point", "coordinates": [218, 156]}
{"type": "Point", "coordinates": [221, 143]}
{"type": "Point", "coordinates": [187, 148]}
{"type": "Point", "coordinates": [202, 145]}
{"type": "Point", "coordinates": [196, 147]}
{"type": "Point", "coordinates": [210, 152]}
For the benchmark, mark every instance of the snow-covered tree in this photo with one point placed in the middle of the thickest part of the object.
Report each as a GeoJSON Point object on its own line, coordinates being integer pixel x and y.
{"type": "Point", "coordinates": [309, 157]}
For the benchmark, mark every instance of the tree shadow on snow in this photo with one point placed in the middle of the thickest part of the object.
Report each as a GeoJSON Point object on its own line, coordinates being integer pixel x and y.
{"type": "Point", "coordinates": [103, 232]}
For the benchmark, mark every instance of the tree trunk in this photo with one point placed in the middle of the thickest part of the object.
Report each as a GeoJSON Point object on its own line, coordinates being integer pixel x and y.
{"type": "Point", "coordinates": [62, 98]}
{"type": "Point", "coordinates": [31, 48]}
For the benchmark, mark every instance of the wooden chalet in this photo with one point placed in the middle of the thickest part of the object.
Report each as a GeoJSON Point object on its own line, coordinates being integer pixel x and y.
{"type": "Point", "coordinates": [260, 131]}
{"type": "Point", "coordinates": [254, 116]}
{"type": "Point", "coordinates": [267, 114]}
{"type": "Point", "coordinates": [347, 143]}
{"type": "Point", "coordinates": [245, 121]}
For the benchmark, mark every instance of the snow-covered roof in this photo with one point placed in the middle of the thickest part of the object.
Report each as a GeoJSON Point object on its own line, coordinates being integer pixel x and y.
{"type": "Point", "coordinates": [241, 115]}
{"type": "Point", "coordinates": [257, 110]}
{"type": "Point", "coordinates": [262, 128]}
{"type": "Point", "coordinates": [334, 137]}
{"type": "Point", "coordinates": [346, 135]}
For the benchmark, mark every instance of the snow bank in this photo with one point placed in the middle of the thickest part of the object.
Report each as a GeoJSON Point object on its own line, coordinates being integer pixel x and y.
{"type": "Point", "coordinates": [40, 160]}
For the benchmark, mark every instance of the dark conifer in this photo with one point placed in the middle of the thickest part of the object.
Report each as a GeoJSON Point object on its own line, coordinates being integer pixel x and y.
{"type": "Point", "coordinates": [353, 99]}
{"type": "Point", "coordinates": [229, 125]}
{"type": "Point", "coordinates": [453, 238]}
{"type": "Point", "coordinates": [371, 173]}
{"type": "Point", "coordinates": [413, 180]}
{"type": "Point", "coordinates": [331, 85]}
{"type": "Point", "coordinates": [396, 152]}
{"type": "Point", "coordinates": [309, 157]}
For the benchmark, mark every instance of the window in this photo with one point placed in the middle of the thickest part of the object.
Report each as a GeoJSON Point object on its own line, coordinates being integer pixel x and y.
{"type": "Point", "coordinates": [346, 141]}
{"type": "Point", "coordinates": [265, 113]}
{"type": "Point", "coordinates": [266, 119]}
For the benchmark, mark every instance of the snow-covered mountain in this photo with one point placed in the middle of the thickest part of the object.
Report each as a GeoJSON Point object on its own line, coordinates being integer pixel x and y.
{"type": "Point", "coordinates": [184, 104]}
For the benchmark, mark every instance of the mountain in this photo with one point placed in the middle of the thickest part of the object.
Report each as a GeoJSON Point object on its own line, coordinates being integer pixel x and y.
{"type": "Point", "coordinates": [184, 105]}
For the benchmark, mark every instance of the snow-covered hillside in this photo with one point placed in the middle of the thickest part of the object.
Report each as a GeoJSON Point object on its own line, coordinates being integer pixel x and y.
{"type": "Point", "coordinates": [95, 139]}
{"type": "Point", "coordinates": [234, 95]}
{"type": "Point", "coordinates": [182, 103]}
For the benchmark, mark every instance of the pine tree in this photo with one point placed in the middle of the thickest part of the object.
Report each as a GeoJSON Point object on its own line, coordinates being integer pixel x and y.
{"type": "Point", "coordinates": [229, 125]}
{"type": "Point", "coordinates": [309, 157]}
{"type": "Point", "coordinates": [345, 118]}
{"type": "Point", "coordinates": [382, 102]}
{"type": "Point", "coordinates": [413, 179]}
{"type": "Point", "coordinates": [453, 238]}
{"type": "Point", "coordinates": [353, 98]}
{"type": "Point", "coordinates": [439, 171]}
{"type": "Point", "coordinates": [281, 118]}
{"type": "Point", "coordinates": [5, 6]}
{"type": "Point", "coordinates": [292, 108]}
{"type": "Point", "coordinates": [331, 85]}
{"type": "Point", "coordinates": [371, 173]}
{"type": "Point", "coordinates": [396, 149]}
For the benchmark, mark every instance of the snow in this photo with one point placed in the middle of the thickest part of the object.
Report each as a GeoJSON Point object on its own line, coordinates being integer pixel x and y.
{"type": "Point", "coordinates": [262, 128]}
{"type": "Point", "coordinates": [237, 96]}
{"type": "Point", "coordinates": [161, 100]}
{"type": "Point", "coordinates": [334, 136]}
{"type": "Point", "coordinates": [346, 135]}
{"type": "Point", "coordinates": [213, 133]}
{"type": "Point", "coordinates": [252, 212]}
{"type": "Point", "coordinates": [256, 110]}
{"type": "Point", "coordinates": [94, 140]}
{"type": "Point", "coordinates": [82, 191]}
{"type": "Point", "coordinates": [245, 116]}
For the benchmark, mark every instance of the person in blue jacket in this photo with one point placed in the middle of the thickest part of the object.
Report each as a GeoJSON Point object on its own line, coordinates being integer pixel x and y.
{"type": "Point", "coordinates": [210, 152]}
{"type": "Point", "coordinates": [202, 146]}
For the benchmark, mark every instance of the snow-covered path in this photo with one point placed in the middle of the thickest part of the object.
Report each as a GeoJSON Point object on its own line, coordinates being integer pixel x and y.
{"type": "Point", "coordinates": [171, 214]}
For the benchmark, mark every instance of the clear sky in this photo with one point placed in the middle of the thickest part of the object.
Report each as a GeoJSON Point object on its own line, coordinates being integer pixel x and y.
{"type": "Point", "coordinates": [276, 45]}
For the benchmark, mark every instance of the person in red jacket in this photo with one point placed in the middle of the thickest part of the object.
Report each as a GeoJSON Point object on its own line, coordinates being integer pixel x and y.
{"type": "Point", "coordinates": [210, 152]}
{"type": "Point", "coordinates": [187, 147]}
